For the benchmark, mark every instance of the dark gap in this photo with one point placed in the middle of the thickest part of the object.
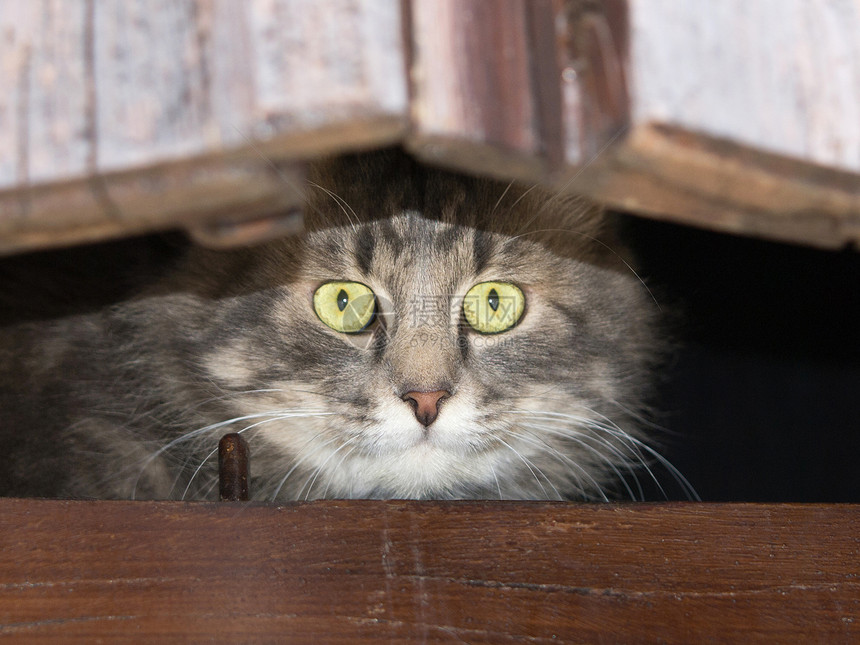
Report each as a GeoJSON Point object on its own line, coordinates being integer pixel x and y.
{"type": "Point", "coordinates": [763, 388]}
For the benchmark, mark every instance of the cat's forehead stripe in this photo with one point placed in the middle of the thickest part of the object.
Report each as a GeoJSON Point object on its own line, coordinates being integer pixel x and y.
{"type": "Point", "coordinates": [482, 249]}
{"type": "Point", "coordinates": [364, 248]}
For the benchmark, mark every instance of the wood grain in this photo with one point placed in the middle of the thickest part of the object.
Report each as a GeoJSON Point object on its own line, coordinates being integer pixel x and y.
{"type": "Point", "coordinates": [779, 76]}
{"type": "Point", "coordinates": [474, 104]}
{"type": "Point", "coordinates": [202, 196]}
{"type": "Point", "coordinates": [743, 118]}
{"type": "Point", "coordinates": [734, 116]}
{"type": "Point", "coordinates": [731, 117]}
{"type": "Point", "coordinates": [102, 90]}
{"type": "Point", "coordinates": [428, 572]}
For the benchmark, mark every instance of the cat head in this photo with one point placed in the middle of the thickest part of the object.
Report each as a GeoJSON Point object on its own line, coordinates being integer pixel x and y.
{"type": "Point", "coordinates": [434, 336]}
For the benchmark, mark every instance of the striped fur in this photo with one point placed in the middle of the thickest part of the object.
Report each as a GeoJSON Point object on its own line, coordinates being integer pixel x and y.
{"type": "Point", "coordinates": [129, 399]}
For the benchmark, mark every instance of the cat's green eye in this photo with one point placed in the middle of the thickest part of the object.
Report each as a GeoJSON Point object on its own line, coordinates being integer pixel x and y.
{"type": "Point", "coordinates": [493, 307]}
{"type": "Point", "coordinates": [346, 307]}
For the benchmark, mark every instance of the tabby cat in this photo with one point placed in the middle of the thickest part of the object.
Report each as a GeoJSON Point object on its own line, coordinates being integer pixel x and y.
{"type": "Point", "coordinates": [431, 335]}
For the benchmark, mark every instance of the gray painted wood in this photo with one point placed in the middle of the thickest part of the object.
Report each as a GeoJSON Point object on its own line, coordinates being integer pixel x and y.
{"type": "Point", "coordinates": [103, 95]}
{"type": "Point", "coordinates": [742, 117]}
{"type": "Point", "coordinates": [44, 132]}
{"type": "Point", "coordinates": [780, 76]}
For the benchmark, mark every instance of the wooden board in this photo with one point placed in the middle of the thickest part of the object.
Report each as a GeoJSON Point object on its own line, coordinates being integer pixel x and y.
{"type": "Point", "coordinates": [362, 571]}
{"type": "Point", "coordinates": [109, 100]}
{"type": "Point", "coordinates": [730, 116]}
{"type": "Point", "coordinates": [744, 117]}
{"type": "Point", "coordinates": [475, 103]}
{"type": "Point", "coordinates": [736, 117]}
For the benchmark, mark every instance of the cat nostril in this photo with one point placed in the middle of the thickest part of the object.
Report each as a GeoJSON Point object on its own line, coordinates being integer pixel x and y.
{"type": "Point", "coordinates": [426, 404]}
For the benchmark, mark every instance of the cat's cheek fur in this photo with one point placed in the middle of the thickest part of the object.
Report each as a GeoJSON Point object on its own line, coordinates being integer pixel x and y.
{"type": "Point", "coordinates": [229, 365]}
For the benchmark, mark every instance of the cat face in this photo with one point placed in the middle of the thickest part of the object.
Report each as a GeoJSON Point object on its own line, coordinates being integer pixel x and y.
{"type": "Point", "coordinates": [419, 350]}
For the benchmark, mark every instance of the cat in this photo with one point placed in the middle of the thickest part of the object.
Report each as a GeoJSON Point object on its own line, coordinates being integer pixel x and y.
{"type": "Point", "coordinates": [430, 336]}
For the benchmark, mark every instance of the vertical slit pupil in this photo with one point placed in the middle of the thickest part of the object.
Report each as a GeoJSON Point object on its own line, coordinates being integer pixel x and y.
{"type": "Point", "coordinates": [342, 300]}
{"type": "Point", "coordinates": [493, 300]}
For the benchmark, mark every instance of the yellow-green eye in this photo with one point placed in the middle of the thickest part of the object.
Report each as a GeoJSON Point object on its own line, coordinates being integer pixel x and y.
{"type": "Point", "coordinates": [345, 306]}
{"type": "Point", "coordinates": [493, 307]}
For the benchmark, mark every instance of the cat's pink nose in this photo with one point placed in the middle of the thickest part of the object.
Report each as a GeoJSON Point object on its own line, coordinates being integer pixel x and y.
{"type": "Point", "coordinates": [426, 404]}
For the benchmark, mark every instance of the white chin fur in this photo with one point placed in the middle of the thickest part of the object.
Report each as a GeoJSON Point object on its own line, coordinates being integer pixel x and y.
{"type": "Point", "coordinates": [408, 460]}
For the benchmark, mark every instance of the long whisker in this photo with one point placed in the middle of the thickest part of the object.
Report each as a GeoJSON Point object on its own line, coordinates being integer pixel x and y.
{"type": "Point", "coordinates": [301, 458]}
{"type": "Point", "coordinates": [532, 470]}
{"type": "Point", "coordinates": [537, 441]}
{"type": "Point", "coordinates": [560, 455]}
{"type": "Point", "coordinates": [246, 428]}
{"type": "Point", "coordinates": [682, 481]}
{"type": "Point", "coordinates": [496, 478]}
{"type": "Point", "coordinates": [578, 437]}
{"type": "Point", "coordinates": [624, 438]}
{"type": "Point", "coordinates": [581, 169]}
{"type": "Point", "coordinates": [591, 238]}
{"type": "Point", "coordinates": [188, 436]}
{"type": "Point", "coordinates": [319, 468]}
{"type": "Point", "coordinates": [601, 423]}
{"type": "Point", "coordinates": [341, 203]}
{"type": "Point", "coordinates": [337, 468]}
{"type": "Point", "coordinates": [501, 197]}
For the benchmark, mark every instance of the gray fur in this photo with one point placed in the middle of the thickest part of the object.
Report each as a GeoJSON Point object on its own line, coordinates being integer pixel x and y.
{"type": "Point", "coordinates": [129, 399]}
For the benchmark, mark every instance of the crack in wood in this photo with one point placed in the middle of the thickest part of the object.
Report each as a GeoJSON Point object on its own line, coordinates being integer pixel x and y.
{"type": "Point", "coordinates": [655, 593]}
{"type": "Point", "coordinates": [11, 628]}
{"type": "Point", "coordinates": [79, 582]}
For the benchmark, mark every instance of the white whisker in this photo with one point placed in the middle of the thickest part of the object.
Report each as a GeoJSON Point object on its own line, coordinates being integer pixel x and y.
{"type": "Point", "coordinates": [624, 438]}
{"type": "Point", "coordinates": [496, 478]}
{"type": "Point", "coordinates": [682, 481]}
{"type": "Point", "coordinates": [342, 203]}
{"type": "Point", "coordinates": [299, 460]}
{"type": "Point", "coordinates": [580, 437]}
{"type": "Point", "coordinates": [593, 451]}
{"type": "Point", "coordinates": [320, 468]}
{"type": "Point", "coordinates": [536, 440]}
{"type": "Point", "coordinates": [501, 197]}
{"type": "Point", "coordinates": [212, 453]}
{"type": "Point", "coordinates": [339, 464]}
{"type": "Point", "coordinates": [532, 470]}
{"type": "Point", "coordinates": [211, 428]}
{"type": "Point", "coordinates": [567, 424]}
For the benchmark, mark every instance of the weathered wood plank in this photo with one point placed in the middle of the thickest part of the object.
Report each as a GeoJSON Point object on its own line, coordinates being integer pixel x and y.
{"type": "Point", "coordinates": [219, 203]}
{"type": "Point", "coordinates": [429, 571]}
{"type": "Point", "coordinates": [739, 118]}
{"type": "Point", "coordinates": [474, 103]}
{"type": "Point", "coordinates": [743, 117]}
{"type": "Point", "coordinates": [152, 75]}
{"type": "Point", "coordinates": [779, 76]}
{"type": "Point", "coordinates": [331, 76]}
{"type": "Point", "coordinates": [104, 89]}
{"type": "Point", "coordinates": [44, 126]}
{"type": "Point", "coordinates": [735, 117]}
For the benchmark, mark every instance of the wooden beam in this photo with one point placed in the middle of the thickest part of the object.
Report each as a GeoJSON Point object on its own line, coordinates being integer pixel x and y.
{"type": "Point", "coordinates": [108, 100]}
{"type": "Point", "coordinates": [474, 104]}
{"type": "Point", "coordinates": [367, 571]}
{"type": "Point", "coordinates": [743, 118]}
{"type": "Point", "coordinates": [732, 117]}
